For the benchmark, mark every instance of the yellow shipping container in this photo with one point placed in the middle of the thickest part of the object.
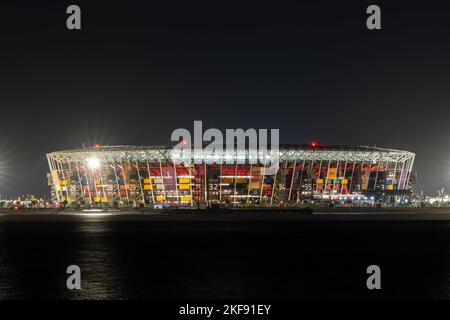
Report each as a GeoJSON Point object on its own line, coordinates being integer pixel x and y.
{"type": "Point", "coordinates": [186, 198]}
{"type": "Point", "coordinates": [160, 198]}
{"type": "Point", "coordinates": [97, 181]}
{"type": "Point", "coordinates": [389, 187]}
{"type": "Point", "coordinates": [319, 181]}
{"type": "Point", "coordinates": [148, 187]}
{"type": "Point", "coordinates": [96, 199]}
{"type": "Point", "coordinates": [331, 173]}
{"type": "Point", "coordinates": [147, 181]}
{"type": "Point", "coordinates": [183, 186]}
{"type": "Point", "coordinates": [255, 185]}
{"type": "Point", "coordinates": [344, 181]}
{"type": "Point", "coordinates": [184, 180]}
{"type": "Point", "coordinates": [104, 199]}
{"type": "Point", "coordinates": [63, 182]}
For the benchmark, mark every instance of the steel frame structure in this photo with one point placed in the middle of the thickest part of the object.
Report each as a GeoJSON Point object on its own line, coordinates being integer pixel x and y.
{"type": "Point", "coordinates": [149, 175]}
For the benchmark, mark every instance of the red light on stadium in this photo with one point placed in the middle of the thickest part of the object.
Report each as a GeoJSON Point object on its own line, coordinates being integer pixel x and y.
{"type": "Point", "coordinates": [313, 144]}
{"type": "Point", "coordinates": [97, 146]}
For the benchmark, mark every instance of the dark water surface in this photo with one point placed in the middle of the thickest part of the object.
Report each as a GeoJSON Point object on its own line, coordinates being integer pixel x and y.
{"type": "Point", "coordinates": [218, 259]}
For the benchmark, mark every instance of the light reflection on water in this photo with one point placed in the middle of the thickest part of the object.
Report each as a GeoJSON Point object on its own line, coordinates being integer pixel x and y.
{"type": "Point", "coordinates": [220, 260]}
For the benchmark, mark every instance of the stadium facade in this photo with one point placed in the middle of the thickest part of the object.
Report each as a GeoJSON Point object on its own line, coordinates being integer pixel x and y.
{"type": "Point", "coordinates": [132, 175]}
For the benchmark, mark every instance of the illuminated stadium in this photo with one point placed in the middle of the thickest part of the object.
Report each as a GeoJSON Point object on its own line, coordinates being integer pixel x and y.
{"type": "Point", "coordinates": [147, 176]}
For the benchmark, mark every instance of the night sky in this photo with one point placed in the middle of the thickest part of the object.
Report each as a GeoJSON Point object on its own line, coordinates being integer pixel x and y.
{"type": "Point", "coordinates": [137, 71]}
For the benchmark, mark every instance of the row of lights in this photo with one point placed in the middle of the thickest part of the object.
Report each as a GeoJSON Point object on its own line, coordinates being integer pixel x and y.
{"type": "Point", "coordinates": [94, 163]}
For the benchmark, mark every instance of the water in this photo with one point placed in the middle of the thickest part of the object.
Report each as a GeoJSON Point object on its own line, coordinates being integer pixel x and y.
{"type": "Point", "coordinates": [273, 259]}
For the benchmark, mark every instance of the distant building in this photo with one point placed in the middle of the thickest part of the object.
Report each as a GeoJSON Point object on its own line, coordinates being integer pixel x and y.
{"type": "Point", "coordinates": [124, 175]}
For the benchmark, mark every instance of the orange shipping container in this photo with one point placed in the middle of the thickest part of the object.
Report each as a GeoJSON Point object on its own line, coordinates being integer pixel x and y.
{"type": "Point", "coordinates": [331, 173]}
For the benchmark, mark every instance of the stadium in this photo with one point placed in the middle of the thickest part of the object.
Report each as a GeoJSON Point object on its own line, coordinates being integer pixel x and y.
{"type": "Point", "coordinates": [119, 176]}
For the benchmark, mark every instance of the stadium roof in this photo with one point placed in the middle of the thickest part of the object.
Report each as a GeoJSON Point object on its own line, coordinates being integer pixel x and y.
{"type": "Point", "coordinates": [290, 152]}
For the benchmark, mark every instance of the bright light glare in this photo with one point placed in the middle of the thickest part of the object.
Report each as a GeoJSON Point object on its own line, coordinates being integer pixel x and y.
{"type": "Point", "coordinates": [93, 163]}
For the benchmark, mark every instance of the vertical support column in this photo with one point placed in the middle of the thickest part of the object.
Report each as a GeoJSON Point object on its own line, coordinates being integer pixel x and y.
{"type": "Point", "coordinates": [376, 175]}
{"type": "Point", "coordinates": [176, 182]}
{"type": "Point", "coordinates": [300, 183]}
{"type": "Point", "coordinates": [235, 178]}
{"type": "Point", "coordinates": [402, 178]}
{"type": "Point", "coordinates": [350, 185]}
{"type": "Point", "coordinates": [117, 180]}
{"type": "Point", "coordinates": [337, 171]}
{"type": "Point", "coordinates": [344, 176]}
{"type": "Point", "coordinates": [274, 183]}
{"type": "Point", "coordinates": [249, 182]}
{"type": "Point", "coordinates": [101, 176]}
{"type": "Point", "coordinates": [395, 175]}
{"type": "Point", "coordinates": [162, 180]}
{"type": "Point", "coordinates": [292, 180]}
{"type": "Point", "coordinates": [262, 180]}
{"type": "Point", "coordinates": [140, 181]}
{"type": "Point", "coordinates": [220, 183]}
{"type": "Point", "coordinates": [125, 182]}
{"type": "Point", "coordinates": [320, 171]}
{"type": "Point", "coordinates": [411, 163]}
{"type": "Point", "coordinates": [190, 184]}
{"type": "Point", "coordinates": [95, 184]}
{"type": "Point", "coordinates": [87, 182]}
{"type": "Point", "coordinates": [151, 182]}
{"type": "Point", "coordinates": [129, 180]}
{"type": "Point", "coordinates": [69, 185]}
{"type": "Point", "coordinates": [60, 167]}
{"type": "Point", "coordinates": [361, 171]}
{"type": "Point", "coordinates": [50, 165]}
{"type": "Point", "coordinates": [326, 178]}
{"type": "Point", "coordinates": [59, 174]}
{"type": "Point", "coordinates": [206, 184]}
{"type": "Point", "coordinates": [79, 181]}
{"type": "Point", "coordinates": [311, 173]}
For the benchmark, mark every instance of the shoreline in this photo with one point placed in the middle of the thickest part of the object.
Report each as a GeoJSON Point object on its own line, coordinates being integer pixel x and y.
{"type": "Point", "coordinates": [286, 210]}
{"type": "Point", "coordinates": [245, 215]}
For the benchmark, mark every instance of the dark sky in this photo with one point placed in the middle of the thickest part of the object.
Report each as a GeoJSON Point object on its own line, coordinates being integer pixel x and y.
{"type": "Point", "coordinates": [137, 70]}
